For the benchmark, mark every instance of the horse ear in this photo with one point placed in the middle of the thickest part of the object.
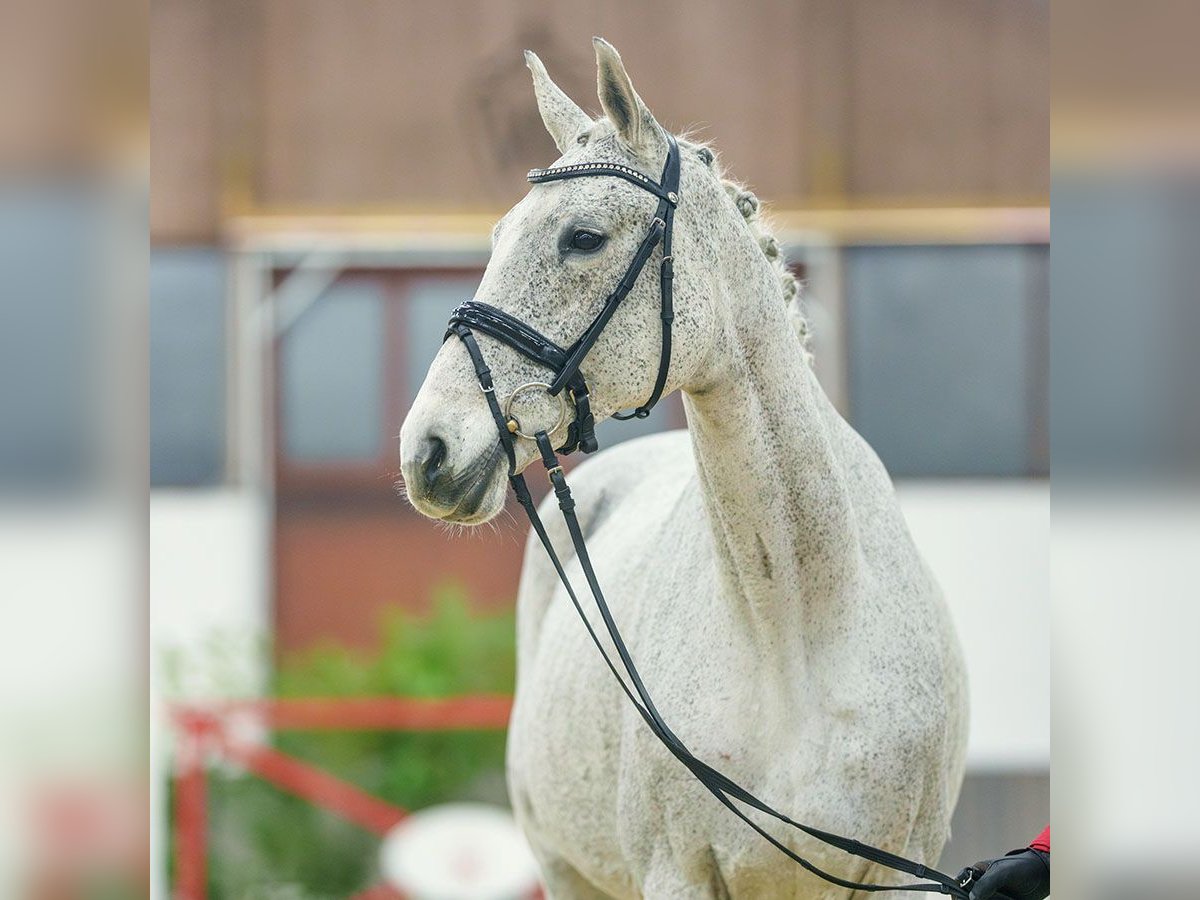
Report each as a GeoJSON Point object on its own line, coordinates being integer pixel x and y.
{"type": "Point", "coordinates": [620, 101]}
{"type": "Point", "coordinates": [562, 116]}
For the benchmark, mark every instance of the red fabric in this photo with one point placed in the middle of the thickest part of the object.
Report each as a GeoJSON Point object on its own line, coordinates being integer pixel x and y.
{"type": "Point", "coordinates": [1042, 841]}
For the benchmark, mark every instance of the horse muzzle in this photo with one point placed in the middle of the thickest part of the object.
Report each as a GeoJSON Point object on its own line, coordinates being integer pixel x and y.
{"type": "Point", "coordinates": [443, 488]}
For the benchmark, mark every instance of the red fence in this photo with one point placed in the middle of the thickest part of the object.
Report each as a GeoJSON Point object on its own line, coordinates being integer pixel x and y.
{"type": "Point", "coordinates": [230, 730]}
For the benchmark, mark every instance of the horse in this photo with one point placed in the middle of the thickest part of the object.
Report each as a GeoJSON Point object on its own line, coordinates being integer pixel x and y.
{"type": "Point", "coordinates": [757, 562]}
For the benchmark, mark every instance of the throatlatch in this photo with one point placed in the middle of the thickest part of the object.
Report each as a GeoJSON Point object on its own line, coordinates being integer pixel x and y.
{"type": "Point", "coordinates": [566, 364]}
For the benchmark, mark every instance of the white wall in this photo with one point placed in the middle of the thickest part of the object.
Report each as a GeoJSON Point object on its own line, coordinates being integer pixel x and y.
{"type": "Point", "coordinates": [71, 655]}
{"type": "Point", "coordinates": [209, 599]}
{"type": "Point", "coordinates": [209, 617]}
{"type": "Point", "coordinates": [988, 543]}
{"type": "Point", "coordinates": [1126, 570]}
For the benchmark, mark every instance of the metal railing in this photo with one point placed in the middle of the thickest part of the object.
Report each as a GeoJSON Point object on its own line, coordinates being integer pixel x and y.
{"type": "Point", "coordinates": [235, 731]}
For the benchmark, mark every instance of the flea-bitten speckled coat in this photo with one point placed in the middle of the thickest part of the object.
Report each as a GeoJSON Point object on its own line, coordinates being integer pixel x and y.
{"type": "Point", "coordinates": [758, 563]}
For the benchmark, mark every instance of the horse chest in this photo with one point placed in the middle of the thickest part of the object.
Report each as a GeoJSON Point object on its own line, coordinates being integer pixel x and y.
{"type": "Point", "coordinates": [586, 774]}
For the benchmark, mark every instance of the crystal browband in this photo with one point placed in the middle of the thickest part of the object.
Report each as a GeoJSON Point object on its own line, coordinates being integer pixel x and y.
{"type": "Point", "coordinates": [558, 173]}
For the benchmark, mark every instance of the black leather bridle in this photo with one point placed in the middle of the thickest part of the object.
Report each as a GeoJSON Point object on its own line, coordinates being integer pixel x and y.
{"type": "Point", "coordinates": [565, 363]}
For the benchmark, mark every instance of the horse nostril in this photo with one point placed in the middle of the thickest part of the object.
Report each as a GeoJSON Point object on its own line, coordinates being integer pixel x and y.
{"type": "Point", "coordinates": [432, 460]}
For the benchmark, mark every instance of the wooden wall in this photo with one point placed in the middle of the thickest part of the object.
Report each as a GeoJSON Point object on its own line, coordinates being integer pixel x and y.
{"type": "Point", "coordinates": [310, 104]}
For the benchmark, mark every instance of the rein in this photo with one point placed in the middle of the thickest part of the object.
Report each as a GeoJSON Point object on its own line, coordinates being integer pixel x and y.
{"type": "Point", "coordinates": [565, 364]}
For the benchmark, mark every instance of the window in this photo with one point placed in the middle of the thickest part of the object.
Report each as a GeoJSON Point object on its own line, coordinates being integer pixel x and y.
{"type": "Point", "coordinates": [430, 300]}
{"type": "Point", "coordinates": [187, 366]}
{"type": "Point", "coordinates": [51, 415]}
{"type": "Point", "coordinates": [947, 357]}
{"type": "Point", "coordinates": [331, 369]}
{"type": "Point", "coordinates": [1125, 320]}
{"type": "Point", "coordinates": [347, 371]}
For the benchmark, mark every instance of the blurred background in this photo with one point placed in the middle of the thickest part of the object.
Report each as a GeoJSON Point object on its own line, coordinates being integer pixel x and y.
{"type": "Point", "coordinates": [325, 177]}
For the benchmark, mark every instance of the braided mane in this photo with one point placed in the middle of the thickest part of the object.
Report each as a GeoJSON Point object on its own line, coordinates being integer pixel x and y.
{"type": "Point", "coordinates": [750, 208]}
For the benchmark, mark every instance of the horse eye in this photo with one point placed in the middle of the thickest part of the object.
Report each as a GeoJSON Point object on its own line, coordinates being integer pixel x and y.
{"type": "Point", "coordinates": [587, 241]}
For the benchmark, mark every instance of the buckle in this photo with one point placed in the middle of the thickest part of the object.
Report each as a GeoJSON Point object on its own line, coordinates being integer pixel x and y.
{"type": "Point", "coordinates": [550, 473]}
{"type": "Point", "coordinates": [967, 878]}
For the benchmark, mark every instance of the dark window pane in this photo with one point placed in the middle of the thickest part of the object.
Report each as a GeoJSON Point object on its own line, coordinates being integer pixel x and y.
{"type": "Point", "coordinates": [939, 357]}
{"type": "Point", "coordinates": [430, 301]}
{"type": "Point", "coordinates": [1039, 360]}
{"type": "Point", "coordinates": [187, 367]}
{"type": "Point", "coordinates": [1124, 326]}
{"type": "Point", "coordinates": [48, 323]}
{"type": "Point", "coordinates": [332, 377]}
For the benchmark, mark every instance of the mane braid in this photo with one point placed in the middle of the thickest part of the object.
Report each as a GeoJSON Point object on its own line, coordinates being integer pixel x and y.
{"type": "Point", "coordinates": [751, 210]}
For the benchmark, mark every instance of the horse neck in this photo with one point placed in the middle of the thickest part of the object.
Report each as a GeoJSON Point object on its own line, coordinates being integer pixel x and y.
{"type": "Point", "coordinates": [763, 434]}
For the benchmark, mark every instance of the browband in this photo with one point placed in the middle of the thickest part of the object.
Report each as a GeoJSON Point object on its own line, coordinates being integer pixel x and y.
{"type": "Point", "coordinates": [561, 173]}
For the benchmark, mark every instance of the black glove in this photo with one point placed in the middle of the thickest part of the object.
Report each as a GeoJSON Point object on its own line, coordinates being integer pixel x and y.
{"type": "Point", "coordinates": [1021, 875]}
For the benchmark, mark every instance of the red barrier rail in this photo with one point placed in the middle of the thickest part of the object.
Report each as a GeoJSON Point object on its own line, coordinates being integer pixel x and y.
{"type": "Point", "coordinates": [477, 711]}
{"type": "Point", "coordinates": [211, 729]}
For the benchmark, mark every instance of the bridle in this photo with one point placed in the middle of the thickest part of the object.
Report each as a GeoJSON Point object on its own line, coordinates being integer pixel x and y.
{"type": "Point", "coordinates": [565, 365]}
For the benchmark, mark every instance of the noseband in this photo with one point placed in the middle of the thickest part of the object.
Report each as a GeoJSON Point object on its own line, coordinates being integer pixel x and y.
{"type": "Point", "coordinates": [565, 363]}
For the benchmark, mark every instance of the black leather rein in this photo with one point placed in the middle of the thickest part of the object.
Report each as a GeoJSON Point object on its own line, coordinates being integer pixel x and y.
{"type": "Point", "coordinates": [565, 363]}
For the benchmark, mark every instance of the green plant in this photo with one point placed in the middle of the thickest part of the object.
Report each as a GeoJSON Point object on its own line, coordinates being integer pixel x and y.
{"type": "Point", "coordinates": [266, 843]}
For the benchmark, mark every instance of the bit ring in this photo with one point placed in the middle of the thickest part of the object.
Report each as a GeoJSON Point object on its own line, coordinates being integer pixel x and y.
{"type": "Point", "coordinates": [529, 386]}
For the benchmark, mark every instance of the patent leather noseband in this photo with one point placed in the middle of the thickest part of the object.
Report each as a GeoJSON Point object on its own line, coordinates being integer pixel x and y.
{"type": "Point", "coordinates": [566, 365]}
